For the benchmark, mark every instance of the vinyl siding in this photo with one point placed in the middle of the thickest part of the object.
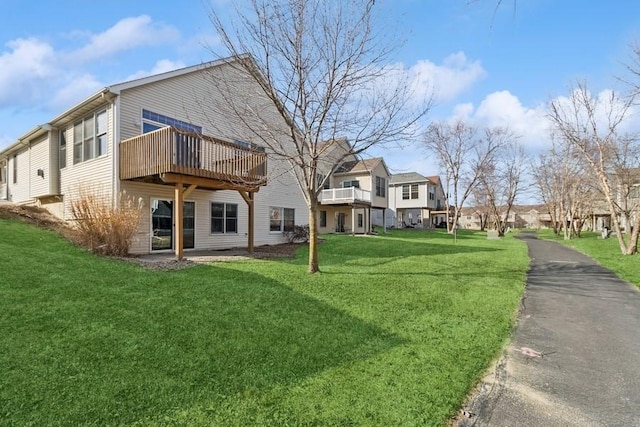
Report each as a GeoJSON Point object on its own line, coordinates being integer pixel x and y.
{"type": "Point", "coordinates": [379, 202]}
{"type": "Point", "coordinates": [194, 99]}
{"type": "Point", "coordinates": [19, 192]}
{"type": "Point", "coordinates": [95, 175]}
{"type": "Point", "coordinates": [272, 195]}
{"type": "Point", "coordinates": [39, 153]}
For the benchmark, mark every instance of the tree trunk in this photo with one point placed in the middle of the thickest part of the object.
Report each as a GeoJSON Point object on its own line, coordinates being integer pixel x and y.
{"type": "Point", "coordinates": [314, 265]}
{"type": "Point", "coordinates": [633, 241]}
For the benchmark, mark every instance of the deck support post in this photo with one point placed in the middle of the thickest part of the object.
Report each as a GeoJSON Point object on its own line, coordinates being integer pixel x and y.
{"type": "Point", "coordinates": [179, 221]}
{"type": "Point", "coordinates": [249, 198]}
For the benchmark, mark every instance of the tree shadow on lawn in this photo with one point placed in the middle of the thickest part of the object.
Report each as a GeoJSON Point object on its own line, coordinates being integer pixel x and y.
{"type": "Point", "coordinates": [380, 251]}
{"type": "Point", "coordinates": [141, 351]}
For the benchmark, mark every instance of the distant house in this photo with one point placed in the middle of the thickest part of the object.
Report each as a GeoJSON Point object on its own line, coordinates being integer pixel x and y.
{"type": "Point", "coordinates": [354, 196]}
{"type": "Point", "coordinates": [416, 201]}
{"type": "Point", "coordinates": [520, 216]}
{"type": "Point", "coordinates": [204, 179]}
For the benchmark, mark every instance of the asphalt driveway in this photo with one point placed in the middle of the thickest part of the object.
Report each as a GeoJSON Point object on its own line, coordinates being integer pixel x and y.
{"type": "Point", "coordinates": [574, 359]}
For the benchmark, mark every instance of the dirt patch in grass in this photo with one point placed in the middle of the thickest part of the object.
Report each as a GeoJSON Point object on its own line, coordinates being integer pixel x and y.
{"type": "Point", "coordinates": [39, 217]}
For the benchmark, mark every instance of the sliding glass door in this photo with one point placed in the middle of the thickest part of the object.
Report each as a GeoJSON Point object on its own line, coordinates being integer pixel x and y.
{"type": "Point", "coordinates": [162, 230]}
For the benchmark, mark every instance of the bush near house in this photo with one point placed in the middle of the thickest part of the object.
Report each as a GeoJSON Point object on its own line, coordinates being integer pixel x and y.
{"type": "Point", "coordinates": [104, 228]}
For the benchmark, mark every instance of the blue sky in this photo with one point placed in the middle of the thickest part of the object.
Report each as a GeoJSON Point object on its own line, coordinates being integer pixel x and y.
{"type": "Point", "coordinates": [492, 67]}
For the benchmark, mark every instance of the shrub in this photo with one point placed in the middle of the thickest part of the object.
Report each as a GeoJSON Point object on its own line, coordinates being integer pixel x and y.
{"type": "Point", "coordinates": [299, 233]}
{"type": "Point", "coordinates": [106, 228]}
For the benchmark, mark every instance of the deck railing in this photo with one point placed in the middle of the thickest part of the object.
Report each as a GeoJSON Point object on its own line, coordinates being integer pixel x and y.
{"type": "Point", "coordinates": [344, 195]}
{"type": "Point", "coordinates": [176, 151]}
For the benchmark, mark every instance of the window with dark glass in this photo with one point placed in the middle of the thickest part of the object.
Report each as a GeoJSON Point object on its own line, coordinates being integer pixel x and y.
{"type": "Point", "coordinates": [281, 219]}
{"type": "Point", "coordinates": [62, 160]}
{"type": "Point", "coordinates": [323, 218]}
{"type": "Point", "coordinates": [90, 137]}
{"type": "Point", "coordinates": [224, 218]}
{"type": "Point", "coordinates": [381, 186]}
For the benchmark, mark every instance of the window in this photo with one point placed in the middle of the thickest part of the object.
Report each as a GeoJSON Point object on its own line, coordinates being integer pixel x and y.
{"type": "Point", "coordinates": [281, 219]}
{"type": "Point", "coordinates": [409, 191]}
{"type": "Point", "coordinates": [15, 168]}
{"type": "Point", "coordinates": [159, 120]}
{"type": "Point", "coordinates": [360, 220]}
{"type": "Point", "coordinates": [322, 182]}
{"type": "Point", "coordinates": [90, 137]}
{"type": "Point", "coordinates": [348, 184]}
{"type": "Point", "coordinates": [381, 187]}
{"type": "Point", "coordinates": [414, 191]}
{"type": "Point", "coordinates": [432, 194]}
{"type": "Point", "coordinates": [62, 160]}
{"type": "Point", "coordinates": [224, 218]}
{"type": "Point", "coordinates": [323, 218]}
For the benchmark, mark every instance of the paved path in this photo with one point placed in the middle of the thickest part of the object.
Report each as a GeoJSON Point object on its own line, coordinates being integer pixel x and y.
{"type": "Point", "coordinates": [575, 357]}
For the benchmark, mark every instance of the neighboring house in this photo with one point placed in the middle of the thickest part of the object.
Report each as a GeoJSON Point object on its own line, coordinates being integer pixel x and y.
{"type": "Point", "coordinates": [169, 140]}
{"type": "Point", "coordinates": [352, 195]}
{"type": "Point", "coordinates": [520, 216]}
{"type": "Point", "coordinates": [3, 179]}
{"type": "Point", "coordinates": [416, 201]}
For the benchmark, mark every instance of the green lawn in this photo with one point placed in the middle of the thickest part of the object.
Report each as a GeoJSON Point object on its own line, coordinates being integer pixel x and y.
{"type": "Point", "coordinates": [606, 252]}
{"type": "Point", "coordinates": [395, 331]}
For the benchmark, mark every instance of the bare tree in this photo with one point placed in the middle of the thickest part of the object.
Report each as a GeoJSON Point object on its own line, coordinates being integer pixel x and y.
{"type": "Point", "coordinates": [502, 178]}
{"type": "Point", "coordinates": [464, 153]}
{"type": "Point", "coordinates": [326, 68]}
{"type": "Point", "coordinates": [481, 206]}
{"type": "Point", "coordinates": [592, 126]}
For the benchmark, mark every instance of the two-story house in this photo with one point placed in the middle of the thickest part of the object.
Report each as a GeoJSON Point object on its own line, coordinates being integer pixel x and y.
{"type": "Point", "coordinates": [352, 194]}
{"type": "Point", "coordinates": [416, 201]}
{"type": "Point", "coordinates": [204, 178]}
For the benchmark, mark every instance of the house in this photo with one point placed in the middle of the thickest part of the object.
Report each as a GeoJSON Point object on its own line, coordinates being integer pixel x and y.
{"type": "Point", "coordinates": [416, 201]}
{"type": "Point", "coordinates": [170, 140]}
{"type": "Point", "coordinates": [520, 216]}
{"type": "Point", "coordinates": [352, 194]}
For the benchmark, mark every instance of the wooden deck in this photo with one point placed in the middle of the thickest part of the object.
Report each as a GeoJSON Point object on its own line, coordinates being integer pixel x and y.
{"type": "Point", "coordinates": [173, 151]}
{"type": "Point", "coordinates": [170, 156]}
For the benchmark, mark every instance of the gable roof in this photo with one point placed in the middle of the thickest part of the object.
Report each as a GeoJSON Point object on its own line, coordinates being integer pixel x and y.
{"type": "Point", "coordinates": [109, 92]}
{"type": "Point", "coordinates": [361, 166]}
{"type": "Point", "coordinates": [408, 177]}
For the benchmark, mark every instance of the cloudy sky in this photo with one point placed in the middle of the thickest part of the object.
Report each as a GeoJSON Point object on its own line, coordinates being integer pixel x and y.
{"type": "Point", "coordinates": [493, 67]}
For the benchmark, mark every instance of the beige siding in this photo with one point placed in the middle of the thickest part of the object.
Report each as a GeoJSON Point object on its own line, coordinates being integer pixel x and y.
{"type": "Point", "coordinates": [379, 202]}
{"type": "Point", "coordinates": [351, 219]}
{"type": "Point", "coordinates": [19, 191]}
{"type": "Point", "coordinates": [192, 98]}
{"type": "Point", "coordinates": [272, 195]}
{"type": "Point", "coordinates": [54, 164]}
{"type": "Point", "coordinates": [95, 175]}
{"type": "Point", "coordinates": [39, 153]}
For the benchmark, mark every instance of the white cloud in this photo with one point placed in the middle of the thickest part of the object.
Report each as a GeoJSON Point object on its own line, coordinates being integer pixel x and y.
{"type": "Point", "coordinates": [162, 66]}
{"type": "Point", "coordinates": [36, 74]}
{"type": "Point", "coordinates": [504, 109]}
{"type": "Point", "coordinates": [454, 76]}
{"type": "Point", "coordinates": [24, 70]}
{"type": "Point", "coordinates": [74, 91]}
{"type": "Point", "coordinates": [128, 33]}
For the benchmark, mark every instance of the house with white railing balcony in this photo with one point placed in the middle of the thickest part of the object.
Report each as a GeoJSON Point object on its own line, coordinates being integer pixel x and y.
{"type": "Point", "coordinates": [354, 196]}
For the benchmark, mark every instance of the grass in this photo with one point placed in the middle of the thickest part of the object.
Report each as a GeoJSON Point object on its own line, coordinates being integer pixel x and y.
{"type": "Point", "coordinates": [396, 330]}
{"type": "Point", "coordinates": [605, 251]}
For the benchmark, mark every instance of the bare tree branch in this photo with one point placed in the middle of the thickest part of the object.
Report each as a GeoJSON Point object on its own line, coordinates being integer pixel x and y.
{"type": "Point", "coordinates": [326, 68]}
